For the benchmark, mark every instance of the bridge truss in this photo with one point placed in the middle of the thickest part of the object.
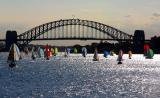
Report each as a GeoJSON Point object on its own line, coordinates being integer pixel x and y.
{"type": "Point", "coordinates": [65, 30]}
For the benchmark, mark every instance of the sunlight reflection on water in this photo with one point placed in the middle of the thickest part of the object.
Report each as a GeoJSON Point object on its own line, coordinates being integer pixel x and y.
{"type": "Point", "coordinates": [77, 77]}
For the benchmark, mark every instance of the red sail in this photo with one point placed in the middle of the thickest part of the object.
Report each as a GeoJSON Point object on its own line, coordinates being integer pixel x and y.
{"type": "Point", "coordinates": [146, 47]}
{"type": "Point", "coordinates": [47, 51]}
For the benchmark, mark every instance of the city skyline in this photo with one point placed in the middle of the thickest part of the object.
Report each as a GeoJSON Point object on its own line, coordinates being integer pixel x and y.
{"type": "Point", "coordinates": [126, 15]}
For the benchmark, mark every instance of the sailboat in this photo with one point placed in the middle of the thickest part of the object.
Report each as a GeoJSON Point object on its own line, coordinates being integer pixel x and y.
{"type": "Point", "coordinates": [120, 55]}
{"type": "Point", "coordinates": [40, 53]}
{"type": "Point", "coordinates": [14, 55]}
{"type": "Point", "coordinates": [65, 53]}
{"type": "Point", "coordinates": [84, 52]}
{"type": "Point", "coordinates": [105, 53]}
{"type": "Point", "coordinates": [26, 51]}
{"type": "Point", "coordinates": [95, 57]}
{"type": "Point", "coordinates": [48, 53]}
{"type": "Point", "coordinates": [33, 56]}
{"type": "Point", "coordinates": [75, 51]}
{"type": "Point", "coordinates": [55, 51]}
{"type": "Point", "coordinates": [130, 54]}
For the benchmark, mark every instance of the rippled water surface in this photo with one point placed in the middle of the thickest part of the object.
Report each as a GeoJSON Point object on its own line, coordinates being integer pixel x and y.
{"type": "Point", "coordinates": [78, 77]}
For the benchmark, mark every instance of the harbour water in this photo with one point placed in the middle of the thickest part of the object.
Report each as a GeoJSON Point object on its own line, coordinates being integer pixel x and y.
{"type": "Point", "coordinates": [78, 77]}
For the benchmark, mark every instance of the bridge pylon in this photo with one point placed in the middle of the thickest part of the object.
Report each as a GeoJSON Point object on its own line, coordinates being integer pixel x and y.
{"type": "Point", "coordinates": [11, 37]}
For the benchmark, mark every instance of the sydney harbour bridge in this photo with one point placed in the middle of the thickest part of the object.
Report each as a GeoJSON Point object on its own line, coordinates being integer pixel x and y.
{"type": "Point", "coordinates": [73, 29]}
{"type": "Point", "coordinates": [70, 29]}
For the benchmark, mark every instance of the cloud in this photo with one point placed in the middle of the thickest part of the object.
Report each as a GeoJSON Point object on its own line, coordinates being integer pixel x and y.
{"type": "Point", "coordinates": [156, 14]}
{"type": "Point", "coordinates": [127, 16]}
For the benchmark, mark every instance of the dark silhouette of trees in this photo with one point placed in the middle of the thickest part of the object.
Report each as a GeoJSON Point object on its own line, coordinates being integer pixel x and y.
{"type": "Point", "coordinates": [155, 44]}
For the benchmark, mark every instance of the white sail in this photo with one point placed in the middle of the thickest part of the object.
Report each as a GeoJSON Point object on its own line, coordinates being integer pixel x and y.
{"type": "Point", "coordinates": [84, 52]}
{"type": "Point", "coordinates": [14, 53]}
{"type": "Point", "coordinates": [40, 52]}
{"type": "Point", "coordinates": [96, 57]}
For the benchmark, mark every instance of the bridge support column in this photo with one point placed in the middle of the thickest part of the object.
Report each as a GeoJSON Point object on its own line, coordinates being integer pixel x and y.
{"type": "Point", "coordinates": [11, 37]}
{"type": "Point", "coordinates": [138, 41]}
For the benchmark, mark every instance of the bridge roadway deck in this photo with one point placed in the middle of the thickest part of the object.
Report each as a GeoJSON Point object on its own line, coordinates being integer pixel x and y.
{"type": "Point", "coordinates": [147, 40]}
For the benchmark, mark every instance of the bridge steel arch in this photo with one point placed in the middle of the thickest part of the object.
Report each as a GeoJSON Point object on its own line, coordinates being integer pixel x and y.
{"type": "Point", "coordinates": [35, 32]}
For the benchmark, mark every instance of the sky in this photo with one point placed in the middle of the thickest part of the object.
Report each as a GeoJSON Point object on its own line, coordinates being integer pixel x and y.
{"type": "Point", "coordinates": [126, 15]}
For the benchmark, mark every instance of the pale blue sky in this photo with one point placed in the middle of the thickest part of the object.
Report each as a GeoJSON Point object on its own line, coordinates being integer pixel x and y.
{"type": "Point", "coordinates": [126, 15]}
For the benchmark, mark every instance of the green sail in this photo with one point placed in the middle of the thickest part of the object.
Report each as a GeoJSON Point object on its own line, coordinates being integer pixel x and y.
{"type": "Point", "coordinates": [75, 50]}
{"type": "Point", "coordinates": [150, 54]}
{"type": "Point", "coordinates": [55, 51]}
